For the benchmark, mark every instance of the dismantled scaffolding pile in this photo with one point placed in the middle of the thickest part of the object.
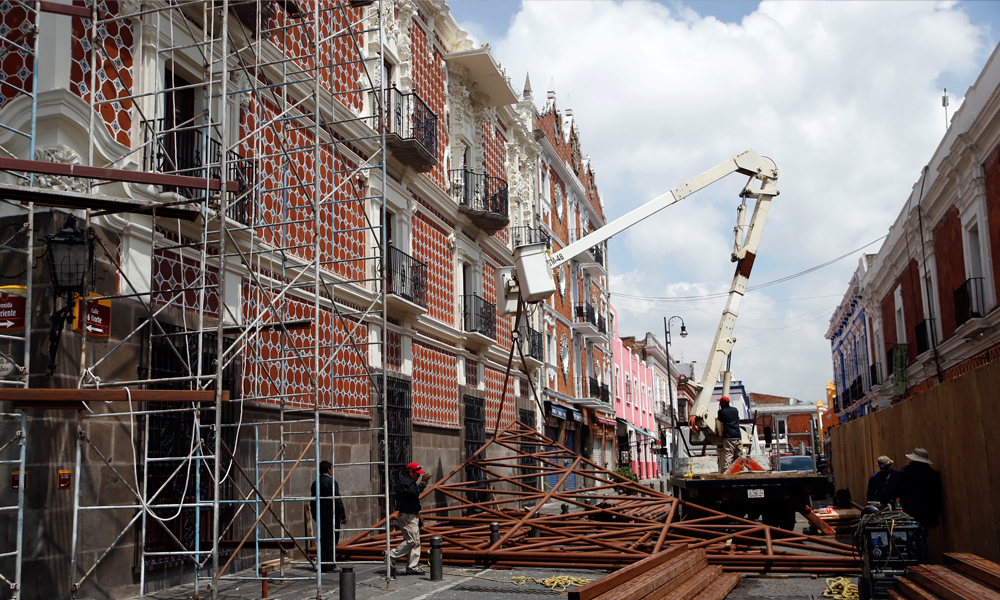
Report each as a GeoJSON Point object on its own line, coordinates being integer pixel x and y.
{"type": "Point", "coordinates": [504, 518]}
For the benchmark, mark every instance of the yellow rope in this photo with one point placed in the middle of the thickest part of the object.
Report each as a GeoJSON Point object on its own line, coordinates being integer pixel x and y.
{"type": "Point", "coordinates": [841, 588]}
{"type": "Point", "coordinates": [557, 584]}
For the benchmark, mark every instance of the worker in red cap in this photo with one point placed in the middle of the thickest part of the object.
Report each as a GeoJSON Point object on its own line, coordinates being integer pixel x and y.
{"type": "Point", "coordinates": [732, 442]}
{"type": "Point", "coordinates": [408, 520]}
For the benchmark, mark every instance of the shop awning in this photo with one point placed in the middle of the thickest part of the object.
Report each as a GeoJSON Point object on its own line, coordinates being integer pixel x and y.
{"type": "Point", "coordinates": [555, 410]}
{"type": "Point", "coordinates": [638, 430]}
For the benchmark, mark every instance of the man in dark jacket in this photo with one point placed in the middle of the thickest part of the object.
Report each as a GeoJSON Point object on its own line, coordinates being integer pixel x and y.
{"type": "Point", "coordinates": [732, 443]}
{"type": "Point", "coordinates": [408, 505]}
{"type": "Point", "coordinates": [920, 494]}
{"type": "Point", "coordinates": [883, 485]}
{"type": "Point", "coordinates": [329, 521]}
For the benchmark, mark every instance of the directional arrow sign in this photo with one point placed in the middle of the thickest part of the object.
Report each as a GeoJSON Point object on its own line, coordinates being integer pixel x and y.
{"type": "Point", "coordinates": [98, 317]}
{"type": "Point", "coordinates": [12, 308]}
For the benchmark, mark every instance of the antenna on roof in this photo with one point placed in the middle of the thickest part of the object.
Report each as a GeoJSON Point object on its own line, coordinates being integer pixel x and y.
{"type": "Point", "coordinates": [944, 103]}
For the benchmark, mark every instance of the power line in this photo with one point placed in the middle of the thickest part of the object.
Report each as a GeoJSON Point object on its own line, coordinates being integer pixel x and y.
{"type": "Point", "coordinates": [749, 288]}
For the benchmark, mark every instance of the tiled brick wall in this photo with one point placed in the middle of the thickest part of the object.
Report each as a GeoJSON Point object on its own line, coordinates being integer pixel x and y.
{"type": "Point", "coordinates": [17, 67]}
{"type": "Point", "coordinates": [429, 84]}
{"type": "Point", "coordinates": [114, 76]}
{"type": "Point", "coordinates": [430, 245]}
{"type": "Point", "coordinates": [435, 390]}
{"type": "Point", "coordinates": [950, 267]}
{"type": "Point", "coordinates": [494, 389]}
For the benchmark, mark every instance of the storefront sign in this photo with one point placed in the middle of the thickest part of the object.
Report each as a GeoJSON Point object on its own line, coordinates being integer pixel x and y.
{"type": "Point", "coordinates": [577, 415]}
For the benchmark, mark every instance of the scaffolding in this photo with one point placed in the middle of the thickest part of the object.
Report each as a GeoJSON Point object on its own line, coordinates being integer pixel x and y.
{"type": "Point", "coordinates": [260, 128]}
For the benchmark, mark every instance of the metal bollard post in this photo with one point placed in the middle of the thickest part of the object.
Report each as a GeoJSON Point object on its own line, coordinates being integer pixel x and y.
{"type": "Point", "coordinates": [564, 509]}
{"type": "Point", "coordinates": [494, 532]}
{"type": "Point", "coordinates": [263, 583]}
{"type": "Point", "coordinates": [437, 555]}
{"type": "Point", "coordinates": [535, 532]}
{"type": "Point", "coordinates": [347, 583]}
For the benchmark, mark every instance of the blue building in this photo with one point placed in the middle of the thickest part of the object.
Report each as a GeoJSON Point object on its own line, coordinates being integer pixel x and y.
{"type": "Point", "coordinates": [850, 340]}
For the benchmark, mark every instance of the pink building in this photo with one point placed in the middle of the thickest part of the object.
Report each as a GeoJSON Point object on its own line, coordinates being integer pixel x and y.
{"type": "Point", "coordinates": [633, 386]}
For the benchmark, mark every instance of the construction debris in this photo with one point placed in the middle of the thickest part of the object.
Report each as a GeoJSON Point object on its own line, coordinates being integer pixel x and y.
{"type": "Point", "coordinates": [521, 480]}
{"type": "Point", "coordinates": [966, 577]}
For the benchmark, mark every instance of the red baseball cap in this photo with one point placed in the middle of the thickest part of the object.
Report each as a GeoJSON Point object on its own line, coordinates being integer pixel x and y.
{"type": "Point", "coordinates": [724, 399]}
{"type": "Point", "coordinates": [415, 467]}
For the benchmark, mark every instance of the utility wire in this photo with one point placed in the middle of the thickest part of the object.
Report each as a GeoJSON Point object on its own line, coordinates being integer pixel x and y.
{"type": "Point", "coordinates": [749, 288]}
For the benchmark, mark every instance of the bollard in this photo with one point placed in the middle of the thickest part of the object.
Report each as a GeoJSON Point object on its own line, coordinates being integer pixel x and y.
{"type": "Point", "coordinates": [564, 508]}
{"type": "Point", "coordinates": [535, 532]}
{"type": "Point", "coordinates": [494, 532]}
{"type": "Point", "coordinates": [263, 583]}
{"type": "Point", "coordinates": [347, 583]}
{"type": "Point", "coordinates": [437, 555]}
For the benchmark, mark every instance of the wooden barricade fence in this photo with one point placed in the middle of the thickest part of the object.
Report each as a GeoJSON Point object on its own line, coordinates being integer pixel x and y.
{"type": "Point", "coordinates": [958, 422]}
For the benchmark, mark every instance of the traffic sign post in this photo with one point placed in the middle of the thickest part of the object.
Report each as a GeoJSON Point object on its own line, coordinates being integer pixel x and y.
{"type": "Point", "coordinates": [98, 320]}
{"type": "Point", "coordinates": [13, 307]}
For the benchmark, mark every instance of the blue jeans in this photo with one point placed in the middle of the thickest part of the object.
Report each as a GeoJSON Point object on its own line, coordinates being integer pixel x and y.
{"type": "Point", "coordinates": [924, 552]}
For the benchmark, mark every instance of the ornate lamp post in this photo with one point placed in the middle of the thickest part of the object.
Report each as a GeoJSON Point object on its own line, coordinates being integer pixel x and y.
{"type": "Point", "coordinates": [670, 389]}
{"type": "Point", "coordinates": [70, 257]}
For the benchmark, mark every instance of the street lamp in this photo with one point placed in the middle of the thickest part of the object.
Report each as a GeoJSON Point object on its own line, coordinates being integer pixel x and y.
{"type": "Point", "coordinates": [670, 389]}
{"type": "Point", "coordinates": [70, 257]}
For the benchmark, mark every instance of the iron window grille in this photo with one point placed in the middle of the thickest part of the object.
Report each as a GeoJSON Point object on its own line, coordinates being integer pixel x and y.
{"type": "Point", "coordinates": [398, 415]}
{"type": "Point", "coordinates": [174, 353]}
{"type": "Point", "coordinates": [475, 437]}
{"type": "Point", "coordinates": [527, 416]}
{"type": "Point", "coordinates": [523, 235]}
{"type": "Point", "coordinates": [531, 342]}
{"type": "Point", "coordinates": [411, 118]}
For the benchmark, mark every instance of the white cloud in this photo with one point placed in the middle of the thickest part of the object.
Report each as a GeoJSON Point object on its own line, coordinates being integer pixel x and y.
{"type": "Point", "coordinates": [842, 95]}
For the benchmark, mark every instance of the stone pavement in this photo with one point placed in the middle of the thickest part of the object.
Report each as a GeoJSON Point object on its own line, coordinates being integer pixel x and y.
{"type": "Point", "coordinates": [466, 584]}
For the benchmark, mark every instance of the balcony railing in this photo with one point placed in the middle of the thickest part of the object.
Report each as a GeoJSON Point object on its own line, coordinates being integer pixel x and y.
{"type": "Point", "coordinates": [479, 316]}
{"type": "Point", "coordinates": [414, 127]}
{"type": "Point", "coordinates": [923, 335]}
{"type": "Point", "coordinates": [406, 277]}
{"type": "Point", "coordinates": [595, 387]}
{"type": "Point", "coordinates": [483, 197]}
{"type": "Point", "coordinates": [598, 253]}
{"type": "Point", "coordinates": [585, 314]}
{"type": "Point", "coordinates": [969, 303]}
{"type": "Point", "coordinates": [522, 236]}
{"type": "Point", "coordinates": [601, 326]}
{"type": "Point", "coordinates": [531, 342]}
{"type": "Point", "coordinates": [605, 393]}
{"type": "Point", "coordinates": [183, 151]}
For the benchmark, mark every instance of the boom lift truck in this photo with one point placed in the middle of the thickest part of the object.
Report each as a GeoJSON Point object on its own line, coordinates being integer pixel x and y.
{"type": "Point", "coordinates": [531, 280]}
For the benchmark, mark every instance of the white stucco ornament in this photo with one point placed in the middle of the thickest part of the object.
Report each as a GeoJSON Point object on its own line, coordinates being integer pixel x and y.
{"type": "Point", "coordinates": [564, 354]}
{"type": "Point", "coordinates": [563, 279]}
{"type": "Point", "coordinates": [557, 199]}
{"type": "Point", "coordinates": [63, 155]}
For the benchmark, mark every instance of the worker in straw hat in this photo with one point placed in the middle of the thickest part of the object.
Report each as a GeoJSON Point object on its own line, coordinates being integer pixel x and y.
{"type": "Point", "coordinates": [882, 485]}
{"type": "Point", "coordinates": [920, 494]}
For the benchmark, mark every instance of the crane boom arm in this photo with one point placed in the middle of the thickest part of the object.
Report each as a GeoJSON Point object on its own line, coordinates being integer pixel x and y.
{"type": "Point", "coordinates": [748, 163]}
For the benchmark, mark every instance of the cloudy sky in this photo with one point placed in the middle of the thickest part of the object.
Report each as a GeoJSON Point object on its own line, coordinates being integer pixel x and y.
{"type": "Point", "coordinates": [845, 97]}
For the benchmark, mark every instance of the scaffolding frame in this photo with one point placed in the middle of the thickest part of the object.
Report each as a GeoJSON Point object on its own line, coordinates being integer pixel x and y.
{"type": "Point", "coordinates": [285, 103]}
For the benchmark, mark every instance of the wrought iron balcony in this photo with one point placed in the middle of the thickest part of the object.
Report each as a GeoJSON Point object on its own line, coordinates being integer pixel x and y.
{"type": "Point", "coordinates": [531, 341]}
{"type": "Point", "coordinates": [483, 198]}
{"type": "Point", "coordinates": [923, 335]}
{"type": "Point", "coordinates": [184, 150]}
{"type": "Point", "coordinates": [412, 130]}
{"type": "Point", "coordinates": [969, 303]}
{"type": "Point", "coordinates": [479, 316]}
{"type": "Point", "coordinates": [585, 320]}
{"type": "Point", "coordinates": [595, 388]}
{"type": "Point", "coordinates": [522, 236]}
{"type": "Point", "coordinates": [605, 393]}
{"type": "Point", "coordinates": [406, 277]}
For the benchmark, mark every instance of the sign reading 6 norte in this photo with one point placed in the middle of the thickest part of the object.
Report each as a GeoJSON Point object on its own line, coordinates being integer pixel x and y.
{"type": "Point", "coordinates": [98, 320]}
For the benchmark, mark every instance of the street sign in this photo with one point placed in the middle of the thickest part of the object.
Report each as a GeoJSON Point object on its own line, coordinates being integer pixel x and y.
{"type": "Point", "coordinates": [98, 317]}
{"type": "Point", "coordinates": [13, 307]}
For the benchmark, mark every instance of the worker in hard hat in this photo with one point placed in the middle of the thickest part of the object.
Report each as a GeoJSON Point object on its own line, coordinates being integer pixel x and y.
{"type": "Point", "coordinates": [883, 485]}
{"type": "Point", "coordinates": [732, 442]}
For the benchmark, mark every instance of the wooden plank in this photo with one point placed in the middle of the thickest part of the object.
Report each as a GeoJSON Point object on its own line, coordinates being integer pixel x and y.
{"type": "Point", "coordinates": [108, 204]}
{"type": "Point", "coordinates": [989, 379]}
{"type": "Point", "coordinates": [949, 584]}
{"type": "Point", "coordinates": [984, 571]}
{"type": "Point", "coordinates": [690, 588]}
{"type": "Point", "coordinates": [720, 588]}
{"type": "Point", "coordinates": [73, 170]}
{"type": "Point", "coordinates": [666, 576]}
{"type": "Point", "coordinates": [911, 590]}
{"type": "Point", "coordinates": [72, 399]}
{"type": "Point", "coordinates": [613, 580]}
